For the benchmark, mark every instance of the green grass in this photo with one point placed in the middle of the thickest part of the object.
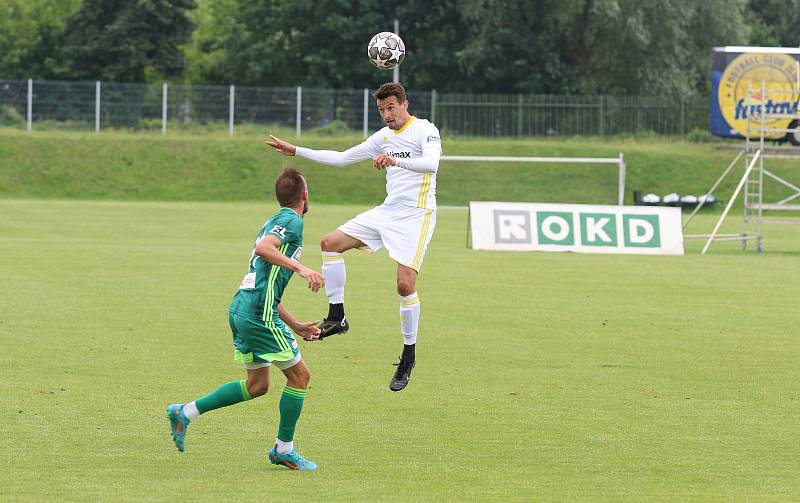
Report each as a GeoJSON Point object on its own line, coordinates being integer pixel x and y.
{"type": "Point", "coordinates": [215, 167]}
{"type": "Point", "coordinates": [540, 376]}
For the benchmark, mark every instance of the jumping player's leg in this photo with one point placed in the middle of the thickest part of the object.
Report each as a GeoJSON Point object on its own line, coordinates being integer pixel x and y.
{"type": "Point", "coordinates": [333, 246]}
{"type": "Point", "coordinates": [409, 324]}
{"type": "Point", "coordinates": [291, 405]}
{"type": "Point", "coordinates": [406, 238]}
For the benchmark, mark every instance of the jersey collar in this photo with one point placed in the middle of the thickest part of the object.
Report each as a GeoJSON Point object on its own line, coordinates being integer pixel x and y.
{"type": "Point", "coordinates": [410, 120]}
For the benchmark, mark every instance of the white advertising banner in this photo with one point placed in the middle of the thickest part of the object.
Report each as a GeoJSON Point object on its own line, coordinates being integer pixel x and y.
{"type": "Point", "coordinates": [582, 228]}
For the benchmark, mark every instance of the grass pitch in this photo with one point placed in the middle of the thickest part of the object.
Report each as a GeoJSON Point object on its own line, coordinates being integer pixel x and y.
{"type": "Point", "coordinates": [539, 377]}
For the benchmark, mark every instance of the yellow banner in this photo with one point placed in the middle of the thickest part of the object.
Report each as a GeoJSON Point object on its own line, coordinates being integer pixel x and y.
{"type": "Point", "coordinates": [746, 73]}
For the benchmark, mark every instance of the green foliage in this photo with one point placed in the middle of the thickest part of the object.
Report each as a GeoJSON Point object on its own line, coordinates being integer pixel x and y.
{"type": "Point", "coordinates": [618, 47]}
{"type": "Point", "coordinates": [286, 43]}
{"type": "Point", "coordinates": [530, 46]}
{"type": "Point", "coordinates": [774, 22]}
{"type": "Point", "coordinates": [698, 135]}
{"type": "Point", "coordinates": [624, 47]}
{"type": "Point", "coordinates": [106, 40]}
{"type": "Point", "coordinates": [215, 22]}
{"type": "Point", "coordinates": [31, 33]}
{"type": "Point", "coordinates": [9, 116]}
{"type": "Point", "coordinates": [334, 128]}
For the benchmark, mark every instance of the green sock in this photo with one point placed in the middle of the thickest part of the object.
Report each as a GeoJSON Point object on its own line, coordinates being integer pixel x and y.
{"type": "Point", "coordinates": [227, 394]}
{"type": "Point", "coordinates": [290, 407]}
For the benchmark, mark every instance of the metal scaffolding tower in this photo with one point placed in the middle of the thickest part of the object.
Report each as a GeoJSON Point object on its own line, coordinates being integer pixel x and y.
{"type": "Point", "coordinates": [764, 107]}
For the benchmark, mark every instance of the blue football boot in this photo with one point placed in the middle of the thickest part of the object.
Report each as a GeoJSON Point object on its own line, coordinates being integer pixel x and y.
{"type": "Point", "coordinates": [292, 460]}
{"type": "Point", "coordinates": [179, 423]}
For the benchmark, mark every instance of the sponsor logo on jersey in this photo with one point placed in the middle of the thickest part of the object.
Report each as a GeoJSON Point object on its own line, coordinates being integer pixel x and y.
{"type": "Point", "coordinates": [248, 282]}
{"type": "Point", "coordinates": [399, 155]}
{"type": "Point", "coordinates": [433, 138]}
{"type": "Point", "coordinates": [296, 255]}
{"type": "Point", "coordinates": [279, 231]}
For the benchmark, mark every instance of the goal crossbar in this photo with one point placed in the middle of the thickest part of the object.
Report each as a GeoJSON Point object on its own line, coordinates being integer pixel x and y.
{"type": "Point", "coordinates": [619, 161]}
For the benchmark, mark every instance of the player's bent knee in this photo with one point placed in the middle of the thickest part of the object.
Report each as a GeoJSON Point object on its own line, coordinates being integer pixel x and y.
{"type": "Point", "coordinates": [304, 378]}
{"type": "Point", "coordinates": [300, 379]}
{"type": "Point", "coordinates": [328, 243]}
{"type": "Point", "coordinates": [257, 389]}
{"type": "Point", "coordinates": [405, 287]}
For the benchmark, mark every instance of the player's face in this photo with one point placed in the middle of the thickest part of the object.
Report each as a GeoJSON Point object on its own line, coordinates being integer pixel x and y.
{"type": "Point", "coordinates": [393, 113]}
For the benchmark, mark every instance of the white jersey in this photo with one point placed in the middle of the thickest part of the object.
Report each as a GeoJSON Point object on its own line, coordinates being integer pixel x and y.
{"type": "Point", "coordinates": [410, 183]}
{"type": "Point", "coordinates": [402, 185]}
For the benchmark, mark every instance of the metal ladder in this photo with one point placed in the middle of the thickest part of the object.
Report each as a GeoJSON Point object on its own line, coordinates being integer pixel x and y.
{"type": "Point", "coordinates": [754, 185]}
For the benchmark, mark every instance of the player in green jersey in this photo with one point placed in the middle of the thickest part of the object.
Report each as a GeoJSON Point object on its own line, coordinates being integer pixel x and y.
{"type": "Point", "coordinates": [259, 322]}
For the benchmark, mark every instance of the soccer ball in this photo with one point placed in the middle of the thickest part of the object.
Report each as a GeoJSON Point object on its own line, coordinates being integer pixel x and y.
{"type": "Point", "coordinates": [386, 50]}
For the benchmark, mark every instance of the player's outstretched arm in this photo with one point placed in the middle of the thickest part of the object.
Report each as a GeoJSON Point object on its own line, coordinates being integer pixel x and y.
{"type": "Point", "coordinates": [267, 249]}
{"type": "Point", "coordinates": [361, 152]}
{"type": "Point", "coordinates": [308, 330]}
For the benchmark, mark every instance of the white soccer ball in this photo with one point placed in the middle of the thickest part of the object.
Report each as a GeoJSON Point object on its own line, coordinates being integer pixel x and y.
{"type": "Point", "coordinates": [386, 50]}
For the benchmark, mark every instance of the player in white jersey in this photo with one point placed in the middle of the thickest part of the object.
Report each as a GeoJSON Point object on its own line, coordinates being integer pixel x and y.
{"type": "Point", "coordinates": [408, 149]}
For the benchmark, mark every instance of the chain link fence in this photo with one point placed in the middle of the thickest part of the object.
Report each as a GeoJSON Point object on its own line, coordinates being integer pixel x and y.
{"type": "Point", "coordinates": [94, 106]}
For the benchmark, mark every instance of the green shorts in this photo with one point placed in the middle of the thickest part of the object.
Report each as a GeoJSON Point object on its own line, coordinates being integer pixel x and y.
{"type": "Point", "coordinates": [259, 342]}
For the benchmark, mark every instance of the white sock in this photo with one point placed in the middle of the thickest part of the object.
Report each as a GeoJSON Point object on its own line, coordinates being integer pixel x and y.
{"type": "Point", "coordinates": [409, 318]}
{"type": "Point", "coordinates": [190, 411]}
{"type": "Point", "coordinates": [335, 275]}
{"type": "Point", "coordinates": [283, 447]}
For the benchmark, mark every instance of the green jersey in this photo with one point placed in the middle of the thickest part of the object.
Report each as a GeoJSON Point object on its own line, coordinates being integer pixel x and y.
{"type": "Point", "coordinates": [262, 287]}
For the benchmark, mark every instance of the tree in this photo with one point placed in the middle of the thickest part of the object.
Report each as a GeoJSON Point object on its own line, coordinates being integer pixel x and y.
{"type": "Point", "coordinates": [286, 43]}
{"type": "Point", "coordinates": [774, 22]}
{"type": "Point", "coordinates": [124, 40]}
{"type": "Point", "coordinates": [206, 53]}
{"type": "Point", "coordinates": [31, 37]}
{"type": "Point", "coordinates": [516, 46]}
{"type": "Point", "coordinates": [598, 46]}
{"type": "Point", "coordinates": [322, 43]}
{"type": "Point", "coordinates": [526, 46]}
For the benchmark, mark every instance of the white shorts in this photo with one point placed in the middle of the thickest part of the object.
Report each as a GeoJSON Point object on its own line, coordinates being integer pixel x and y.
{"type": "Point", "coordinates": [404, 231]}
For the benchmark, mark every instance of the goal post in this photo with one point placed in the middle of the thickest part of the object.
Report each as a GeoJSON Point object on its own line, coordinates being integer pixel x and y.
{"type": "Point", "coordinates": [619, 161]}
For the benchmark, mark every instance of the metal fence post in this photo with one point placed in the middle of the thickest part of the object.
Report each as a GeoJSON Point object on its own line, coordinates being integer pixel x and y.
{"type": "Point", "coordinates": [519, 114]}
{"type": "Point", "coordinates": [621, 196]}
{"type": "Point", "coordinates": [601, 115]}
{"type": "Point", "coordinates": [30, 104]}
{"type": "Point", "coordinates": [366, 111]}
{"type": "Point", "coordinates": [230, 112]}
{"type": "Point", "coordinates": [683, 123]}
{"type": "Point", "coordinates": [433, 105]}
{"type": "Point", "coordinates": [164, 109]}
{"type": "Point", "coordinates": [298, 116]}
{"type": "Point", "coordinates": [97, 106]}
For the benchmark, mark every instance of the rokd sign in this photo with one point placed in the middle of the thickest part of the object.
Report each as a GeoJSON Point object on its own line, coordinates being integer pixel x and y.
{"type": "Point", "coordinates": [576, 227]}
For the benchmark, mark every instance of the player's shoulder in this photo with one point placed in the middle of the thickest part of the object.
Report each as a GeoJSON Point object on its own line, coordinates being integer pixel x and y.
{"type": "Point", "coordinates": [427, 133]}
{"type": "Point", "coordinates": [285, 217]}
{"type": "Point", "coordinates": [380, 136]}
{"type": "Point", "coordinates": [426, 127]}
